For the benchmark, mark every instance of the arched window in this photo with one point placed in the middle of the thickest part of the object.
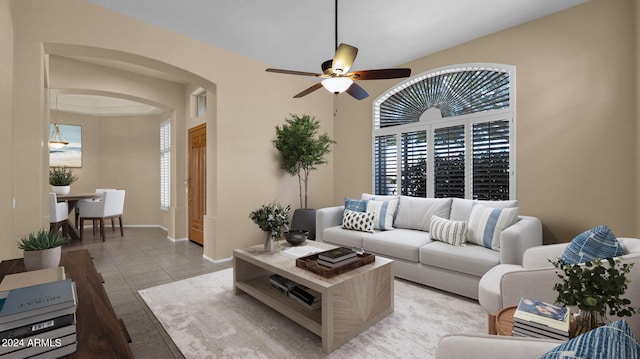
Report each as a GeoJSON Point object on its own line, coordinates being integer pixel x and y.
{"type": "Point", "coordinates": [449, 132]}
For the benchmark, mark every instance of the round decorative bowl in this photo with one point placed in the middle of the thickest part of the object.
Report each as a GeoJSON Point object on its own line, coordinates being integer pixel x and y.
{"type": "Point", "coordinates": [296, 236]}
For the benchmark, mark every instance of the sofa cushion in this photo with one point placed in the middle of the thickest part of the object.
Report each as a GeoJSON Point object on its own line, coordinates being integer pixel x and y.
{"type": "Point", "coordinates": [461, 208]}
{"type": "Point", "coordinates": [358, 205]}
{"type": "Point", "coordinates": [343, 237]}
{"type": "Point", "coordinates": [358, 221]}
{"type": "Point", "coordinates": [399, 243]}
{"type": "Point", "coordinates": [486, 225]}
{"type": "Point", "coordinates": [416, 212]}
{"type": "Point", "coordinates": [598, 242]}
{"type": "Point", "coordinates": [470, 259]}
{"type": "Point", "coordinates": [383, 213]}
{"type": "Point", "coordinates": [452, 232]}
{"type": "Point", "coordinates": [614, 340]}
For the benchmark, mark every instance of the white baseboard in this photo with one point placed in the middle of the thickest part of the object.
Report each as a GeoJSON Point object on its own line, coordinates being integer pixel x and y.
{"type": "Point", "coordinates": [215, 261]}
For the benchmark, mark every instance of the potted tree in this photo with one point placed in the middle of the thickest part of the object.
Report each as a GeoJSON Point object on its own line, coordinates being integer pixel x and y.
{"type": "Point", "coordinates": [42, 249]}
{"type": "Point", "coordinates": [60, 179]}
{"type": "Point", "coordinates": [302, 150]}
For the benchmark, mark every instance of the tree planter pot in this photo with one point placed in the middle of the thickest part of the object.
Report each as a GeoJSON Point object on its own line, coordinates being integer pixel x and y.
{"type": "Point", "coordinates": [46, 258]}
{"type": "Point", "coordinates": [305, 219]}
{"type": "Point", "coordinates": [61, 189]}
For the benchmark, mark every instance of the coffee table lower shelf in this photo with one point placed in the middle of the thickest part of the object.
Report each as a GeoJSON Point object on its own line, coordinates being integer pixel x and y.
{"type": "Point", "coordinates": [262, 290]}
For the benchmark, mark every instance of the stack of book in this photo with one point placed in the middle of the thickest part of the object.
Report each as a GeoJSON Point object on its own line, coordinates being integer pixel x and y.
{"type": "Point", "coordinates": [308, 297]}
{"type": "Point", "coordinates": [38, 320]}
{"type": "Point", "coordinates": [537, 319]}
{"type": "Point", "coordinates": [336, 257]}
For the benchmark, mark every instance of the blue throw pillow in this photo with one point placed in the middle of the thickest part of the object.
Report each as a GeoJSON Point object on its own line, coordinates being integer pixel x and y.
{"type": "Point", "coordinates": [598, 242]}
{"type": "Point", "coordinates": [614, 340]}
{"type": "Point", "coordinates": [357, 205]}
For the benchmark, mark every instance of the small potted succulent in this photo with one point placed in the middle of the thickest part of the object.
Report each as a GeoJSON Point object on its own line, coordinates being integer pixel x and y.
{"type": "Point", "coordinates": [271, 218]}
{"type": "Point", "coordinates": [596, 289]}
{"type": "Point", "coordinates": [41, 249]}
{"type": "Point", "coordinates": [60, 179]}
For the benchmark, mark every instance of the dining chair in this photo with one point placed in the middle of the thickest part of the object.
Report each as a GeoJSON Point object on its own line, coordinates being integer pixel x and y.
{"type": "Point", "coordinates": [98, 190]}
{"type": "Point", "coordinates": [110, 207]}
{"type": "Point", "coordinates": [58, 215]}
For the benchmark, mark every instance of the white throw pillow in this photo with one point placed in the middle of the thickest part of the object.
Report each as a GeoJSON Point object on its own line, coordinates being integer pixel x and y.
{"type": "Point", "coordinates": [452, 232]}
{"type": "Point", "coordinates": [461, 208]}
{"type": "Point", "coordinates": [486, 225]}
{"type": "Point", "coordinates": [416, 212]}
{"type": "Point", "coordinates": [383, 213]}
{"type": "Point", "coordinates": [358, 221]}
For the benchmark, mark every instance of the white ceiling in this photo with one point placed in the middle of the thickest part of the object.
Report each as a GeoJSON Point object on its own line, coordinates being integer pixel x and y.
{"type": "Point", "coordinates": [299, 34]}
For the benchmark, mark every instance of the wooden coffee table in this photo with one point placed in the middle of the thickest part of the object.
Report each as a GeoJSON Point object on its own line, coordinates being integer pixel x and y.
{"type": "Point", "coordinates": [351, 302]}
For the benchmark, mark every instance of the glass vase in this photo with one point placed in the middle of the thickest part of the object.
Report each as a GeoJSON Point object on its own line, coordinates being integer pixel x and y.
{"type": "Point", "coordinates": [586, 320]}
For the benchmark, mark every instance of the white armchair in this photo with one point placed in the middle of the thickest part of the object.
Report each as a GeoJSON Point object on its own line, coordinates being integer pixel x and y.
{"type": "Point", "coordinates": [110, 207]}
{"type": "Point", "coordinates": [505, 284]}
{"type": "Point", "coordinates": [58, 215]}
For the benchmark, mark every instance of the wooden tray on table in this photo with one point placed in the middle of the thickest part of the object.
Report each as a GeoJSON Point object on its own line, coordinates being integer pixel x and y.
{"type": "Point", "coordinates": [310, 263]}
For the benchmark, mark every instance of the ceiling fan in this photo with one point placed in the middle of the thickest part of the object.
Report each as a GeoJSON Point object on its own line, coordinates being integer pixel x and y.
{"type": "Point", "coordinates": [336, 75]}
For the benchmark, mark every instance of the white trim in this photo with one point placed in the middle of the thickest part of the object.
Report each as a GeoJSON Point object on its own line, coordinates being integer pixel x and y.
{"type": "Point", "coordinates": [216, 261]}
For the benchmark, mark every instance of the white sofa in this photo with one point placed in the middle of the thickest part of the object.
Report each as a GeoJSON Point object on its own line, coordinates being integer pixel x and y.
{"type": "Point", "coordinates": [418, 258]}
{"type": "Point", "coordinates": [484, 346]}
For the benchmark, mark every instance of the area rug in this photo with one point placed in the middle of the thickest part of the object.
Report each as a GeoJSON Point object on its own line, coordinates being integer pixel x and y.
{"type": "Point", "coordinates": [206, 320]}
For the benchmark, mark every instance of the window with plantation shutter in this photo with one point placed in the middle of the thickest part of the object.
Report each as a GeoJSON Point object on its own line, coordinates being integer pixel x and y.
{"type": "Point", "coordinates": [165, 165]}
{"type": "Point", "coordinates": [447, 133]}
{"type": "Point", "coordinates": [386, 160]}
{"type": "Point", "coordinates": [449, 162]}
{"type": "Point", "coordinates": [491, 160]}
{"type": "Point", "coordinates": [414, 164]}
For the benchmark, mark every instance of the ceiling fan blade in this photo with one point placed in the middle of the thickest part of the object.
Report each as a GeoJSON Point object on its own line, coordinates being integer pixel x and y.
{"type": "Point", "coordinates": [344, 58]}
{"type": "Point", "coordinates": [357, 91]}
{"type": "Point", "coordinates": [291, 72]}
{"type": "Point", "coordinates": [309, 90]}
{"type": "Point", "coordinates": [381, 74]}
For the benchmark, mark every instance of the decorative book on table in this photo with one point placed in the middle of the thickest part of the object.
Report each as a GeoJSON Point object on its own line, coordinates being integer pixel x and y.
{"type": "Point", "coordinates": [36, 303]}
{"type": "Point", "coordinates": [308, 297]}
{"type": "Point", "coordinates": [281, 283]}
{"type": "Point", "coordinates": [35, 277]}
{"type": "Point", "coordinates": [39, 343]}
{"type": "Point", "coordinates": [541, 315]}
{"type": "Point", "coordinates": [38, 327]}
{"type": "Point", "coordinates": [336, 264]}
{"type": "Point", "coordinates": [337, 254]}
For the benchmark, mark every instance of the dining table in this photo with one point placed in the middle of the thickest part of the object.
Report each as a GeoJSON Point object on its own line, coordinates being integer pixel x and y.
{"type": "Point", "coordinates": [72, 200]}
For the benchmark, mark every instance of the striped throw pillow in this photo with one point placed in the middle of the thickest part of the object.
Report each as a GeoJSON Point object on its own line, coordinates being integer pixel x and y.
{"type": "Point", "coordinates": [486, 225]}
{"type": "Point", "coordinates": [383, 213]}
{"type": "Point", "coordinates": [452, 232]}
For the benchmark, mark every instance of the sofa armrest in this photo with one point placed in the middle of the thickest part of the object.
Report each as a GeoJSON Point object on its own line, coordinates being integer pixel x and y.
{"type": "Point", "coordinates": [456, 346]}
{"type": "Point", "coordinates": [327, 217]}
{"type": "Point", "coordinates": [530, 283]}
{"type": "Point", "coordinates": [518, 237]}
{"type": "Point", "coordinates": [538, 257]}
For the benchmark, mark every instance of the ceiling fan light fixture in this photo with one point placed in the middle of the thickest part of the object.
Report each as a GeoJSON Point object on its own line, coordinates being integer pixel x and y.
{"type": "Point", "coordinates": [337, 84]}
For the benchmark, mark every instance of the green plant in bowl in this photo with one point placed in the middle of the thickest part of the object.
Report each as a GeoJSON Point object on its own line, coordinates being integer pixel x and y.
{"type": "Point", "coordinates": [61, 176]}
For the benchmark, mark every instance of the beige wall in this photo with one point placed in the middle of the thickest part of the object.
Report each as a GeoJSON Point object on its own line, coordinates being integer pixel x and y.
{"type": "Point", "coordinates": [248, 104]}
{"type": "Point", "coordinates": [7, 246]}
{"type": "Point", "coordinates": [575, 118]}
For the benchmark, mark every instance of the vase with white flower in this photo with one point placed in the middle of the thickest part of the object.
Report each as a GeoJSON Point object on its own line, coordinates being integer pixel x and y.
{"type": "Point", "coordinates": [271, 218]}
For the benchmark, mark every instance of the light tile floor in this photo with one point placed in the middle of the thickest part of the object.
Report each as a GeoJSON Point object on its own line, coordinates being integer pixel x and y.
{"type": "Point", "coordinates": [143, 258]}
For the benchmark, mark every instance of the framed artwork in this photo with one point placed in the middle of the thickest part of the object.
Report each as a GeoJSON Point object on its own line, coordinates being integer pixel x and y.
{"type": "Point", "coordinates": [71, 154]}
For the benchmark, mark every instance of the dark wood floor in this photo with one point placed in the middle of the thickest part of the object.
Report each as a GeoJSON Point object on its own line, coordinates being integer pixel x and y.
{"type": "Point", "coordinates": [143, 258]}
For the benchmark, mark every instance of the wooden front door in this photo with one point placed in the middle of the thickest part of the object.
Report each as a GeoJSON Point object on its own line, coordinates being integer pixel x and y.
{"type": "Point", "coordinates": [197, 182]}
